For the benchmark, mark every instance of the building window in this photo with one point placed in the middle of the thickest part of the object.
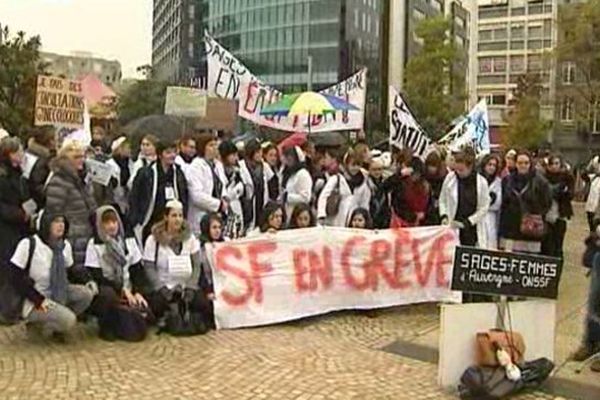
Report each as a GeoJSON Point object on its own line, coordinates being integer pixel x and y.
{"type": "Point", "coordinates": [534, 63]}
{"type": "Point", "coordinates": [485, 65]}
{"type": "Point", "coordinates": [517, 32]}
{"type": "Point", "coordinates": [356, 18]}
{"type": "Point", "coordinates": [517, 63]}
{"type": "Point", "coordinates": [494, 99]}
{"type": "Point", "coordinates": [567, 109]}
{"type": "Point", "coordinates": [459, 21]}
{"type": "Point", "coordinates": [191, 31]}
{"type": "Point", "coordinates": [364, 22]}
{"type": "Point", "coordinates": [535, 32]}
{"type": "Point", "coordinates": [568, 72]}
{"type": "Point", "coordinates": [499, 64]}
{"type": "Point", "coordinates": [485, 35]}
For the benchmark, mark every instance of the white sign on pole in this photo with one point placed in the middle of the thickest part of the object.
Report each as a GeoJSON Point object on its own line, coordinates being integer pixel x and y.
{"type": "Point", "coordinates": [295, 274]}
{"type": "Point", "coordinates": [474, 130]}
{"type": "Point", "coordinates": [405, 131]}
{"type": "Point", "coordinates": [229, 78]}
{"type": "Point", "coordinates": [185, 102]}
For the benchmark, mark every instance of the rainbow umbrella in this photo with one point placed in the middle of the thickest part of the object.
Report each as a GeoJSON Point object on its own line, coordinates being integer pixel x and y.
{"type": "Point", "coordinates": [307, 103]}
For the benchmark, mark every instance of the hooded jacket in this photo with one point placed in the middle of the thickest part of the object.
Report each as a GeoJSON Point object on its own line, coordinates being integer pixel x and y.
{"type": "Point", "coordinates": [101, 269]}
{"type": "Point", "coordinates": [69, 195]}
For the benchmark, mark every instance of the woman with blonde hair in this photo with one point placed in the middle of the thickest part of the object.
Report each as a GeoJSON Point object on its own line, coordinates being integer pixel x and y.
{"type": "Point", "coordinates": [69, 193]}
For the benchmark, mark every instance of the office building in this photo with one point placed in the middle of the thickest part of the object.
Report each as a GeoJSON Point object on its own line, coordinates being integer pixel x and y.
{"type": "Point", "coordinates": [80, 64]}
{"type": "Point", "coordinates": [177, 40]}
{"type": "Point", "coordinates": [515, 38]}
{"type": "Point", "coordinates": [276, 39]}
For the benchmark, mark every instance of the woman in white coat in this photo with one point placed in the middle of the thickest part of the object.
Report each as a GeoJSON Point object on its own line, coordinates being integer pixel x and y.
{"type": "Point", "coordinates": [465, 200]}
{"type": "Point", "coordinates": [490, 170]}
{"type": "Point", "coordinates": [205, 187]}
{"type": "Point", "coordinates": [351, 184]}
{"type": "Point", "coordinates": [233, 189]}
{"type": "Point", "coordinates": [296, 181]}
{"type": "Point", "coordinates": [146, 157]}
{"type": "Point", "coordinates": [593, 199]}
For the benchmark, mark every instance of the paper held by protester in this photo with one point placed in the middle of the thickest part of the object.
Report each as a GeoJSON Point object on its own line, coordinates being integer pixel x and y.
{"type": "Point", "coordinates": [299, 273]}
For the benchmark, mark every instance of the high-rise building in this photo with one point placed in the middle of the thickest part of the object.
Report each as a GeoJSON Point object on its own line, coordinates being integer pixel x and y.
{"type": "Point", "coordinates": [403, 43]}
{"type": "Point", "coordinates": [177, 40]}
{"type": "Point", "coordinates": [276, 40]}
{"type": "Point", "coordinates": [515, 38]}
{"type": "Point", "coordinates": [79, 64]}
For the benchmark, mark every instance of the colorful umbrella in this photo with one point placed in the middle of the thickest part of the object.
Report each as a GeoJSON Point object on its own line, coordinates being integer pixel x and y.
{"type": "Point", "coordinates": [307, 103]}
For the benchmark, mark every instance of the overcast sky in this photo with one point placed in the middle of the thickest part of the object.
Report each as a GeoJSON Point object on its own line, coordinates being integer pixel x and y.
{"type": "Point", "coordinates": [113, 29]}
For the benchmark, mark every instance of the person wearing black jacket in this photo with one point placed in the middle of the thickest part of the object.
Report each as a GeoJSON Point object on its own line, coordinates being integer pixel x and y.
{"type": "Point", "coordinates": [41, 148]}
{"type": "Point", "coordinates": [379, 206]}
{"type": "Point", "coordinates": [52, 301]}
{"type": "Point", "coordinates": [435, 173]}
{"type": "Point", "coordinates": [562, 186]}
{"type": "Point", "coordinates": [153, 187]}
{"type": "Point", "coordinates": [524, 192]}
{"type": "Point", "coordinates": [14, 193]}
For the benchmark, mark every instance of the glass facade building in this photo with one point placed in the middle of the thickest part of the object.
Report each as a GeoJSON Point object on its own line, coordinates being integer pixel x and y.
{"type": "Point", "coordinates": [275, 39]}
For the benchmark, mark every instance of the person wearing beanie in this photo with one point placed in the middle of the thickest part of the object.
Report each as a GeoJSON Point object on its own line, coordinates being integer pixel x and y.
{"type": "Point", "coordinates": [256, 193]}
{"type": "Point", "coordinates": [233, 189]}
{"type": "Point", "coordinates": [153, 187]}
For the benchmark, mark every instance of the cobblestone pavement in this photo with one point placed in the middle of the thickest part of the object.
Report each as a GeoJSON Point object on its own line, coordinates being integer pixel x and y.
{"type": "Point", "coordinates": [336, 356]}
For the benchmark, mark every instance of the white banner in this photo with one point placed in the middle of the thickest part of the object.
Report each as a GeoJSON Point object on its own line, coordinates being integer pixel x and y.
{"type": "Point", "coordinates": [474, 130]}
{"type": "Point", "coordinates": [229, 78]}
{"type": "Point", "coordinates": [299, 273]}
{"type": "Point", "coordinates": [405, 131]}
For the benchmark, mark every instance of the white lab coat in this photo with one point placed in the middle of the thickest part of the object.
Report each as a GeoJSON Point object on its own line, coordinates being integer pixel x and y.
{"type": "Point", "coordinates": [121, 193]}
{"type": "Point", "coordinates": [349, 201]}
{"type": "Point", "coordinates": [200, 187]}
{"type": "Point", "coordinates": [449, 205]}
{"type": "Point", "coordinates": [298, 189]}
{"type": "Point", "coordinates": [232, 190]}
{"type": "Point", "coordinates": [492, 218]}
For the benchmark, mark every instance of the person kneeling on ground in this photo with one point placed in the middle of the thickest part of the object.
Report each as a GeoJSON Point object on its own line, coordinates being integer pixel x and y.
{"type": "Point", "coordinates": [172, 262]}
{"type": "Point", "coordinates": [110, 258]}
{"type": "Point", "coordinates": [52, 303]}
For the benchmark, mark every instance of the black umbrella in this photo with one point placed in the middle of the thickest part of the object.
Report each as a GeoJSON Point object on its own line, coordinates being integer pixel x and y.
{"type": "Point", "coordinates": [165, 127]}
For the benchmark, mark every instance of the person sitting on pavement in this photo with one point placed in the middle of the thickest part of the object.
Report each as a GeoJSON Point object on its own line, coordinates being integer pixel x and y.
{"type": "Point", "coordinates": [302, 217]}
{"type": "Point", "coordinates": [360, 219]}
{"type": "Point", "coordinates": [52, 303]}
{"type": "Point", "coordinates": [172, 261]}
{"type": "Point", "coordinates": [110, 258]}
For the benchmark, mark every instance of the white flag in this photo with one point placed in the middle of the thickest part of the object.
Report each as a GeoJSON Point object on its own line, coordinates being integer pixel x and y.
{"type": "Point", "coordinates": [405, 131]}
{"type": "Point", "coordinates": [473, 129]}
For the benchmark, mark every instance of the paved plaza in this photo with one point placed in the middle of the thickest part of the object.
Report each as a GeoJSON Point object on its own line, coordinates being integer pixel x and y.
{"type": "Point", "coordinates": [336, 356]}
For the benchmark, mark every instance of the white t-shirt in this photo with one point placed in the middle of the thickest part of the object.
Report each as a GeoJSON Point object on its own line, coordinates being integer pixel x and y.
{"type": "Point", "coordinates": [166, 275]}
{"type": "Point", "coordinates": [94, 258]}
{"type": "Point", "coordinates": [41, 262]}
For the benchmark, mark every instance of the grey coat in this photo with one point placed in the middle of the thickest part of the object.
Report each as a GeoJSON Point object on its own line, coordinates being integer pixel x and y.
{"type": "Point", "coordinates": [67, 194]}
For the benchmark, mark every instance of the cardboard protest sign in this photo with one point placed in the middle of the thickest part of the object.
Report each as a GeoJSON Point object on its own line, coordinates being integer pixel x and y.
{"type": "Point", "coordinates": [229, 78]}
{"type": "Point", "coordinates": [510, 274]}
{"type": "Point", "coordinates": [405, 131]}
{"type": "Point", "coordinates": [185, 102]}
{"type": "Point", "coordinates": [295, 274]}
{"type": "Point", "coordinates": [472, 130]}
{"type": "Point", "coordinates": [58, 102]}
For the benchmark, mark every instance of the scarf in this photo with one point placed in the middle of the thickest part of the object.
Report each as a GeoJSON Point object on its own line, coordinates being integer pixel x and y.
{"type": "Point", "coordinates": [116, 256]}
{"type": "Point", "coordinates": [354, 181]}
{"type": "Point", "coordinates": [58, 274]}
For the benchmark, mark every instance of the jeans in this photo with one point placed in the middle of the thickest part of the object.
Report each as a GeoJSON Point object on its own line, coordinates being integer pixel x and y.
{"type": "Point", "coordinates": [59, 318]}
{"type": "Point", "coordinates": [592, 331]}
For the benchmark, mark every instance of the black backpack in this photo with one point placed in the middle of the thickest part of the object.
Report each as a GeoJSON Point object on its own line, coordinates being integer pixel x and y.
{"type": "Point", "coordinates": [182, 321]}
{"type": "Point", "coordinates": [123, 323]}
{"type": "Point", "coordinates": [11, 301]}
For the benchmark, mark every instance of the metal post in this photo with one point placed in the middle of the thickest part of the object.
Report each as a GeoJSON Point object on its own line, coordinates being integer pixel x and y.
{"type": "Point", "coordinates": [309, 73]}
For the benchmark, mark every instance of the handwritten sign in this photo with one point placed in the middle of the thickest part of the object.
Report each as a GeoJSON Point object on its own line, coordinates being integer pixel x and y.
{"type": "Point", "coordinates": [294, 274]}
{"type": "Point", "coordinates": [510, 274]}
{"type": "Point", "coordinates": [58, 102]}
{"type": "Point", "coordinates": [405, 131]}
{"type": "Point", "coordinates": [230, 79]}
{"type": "Point", "coordinates": [185, 102]}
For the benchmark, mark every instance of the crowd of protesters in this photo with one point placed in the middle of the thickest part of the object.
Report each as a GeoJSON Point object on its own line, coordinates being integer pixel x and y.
{"type": "Point", "coordinates": [137, 242]}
